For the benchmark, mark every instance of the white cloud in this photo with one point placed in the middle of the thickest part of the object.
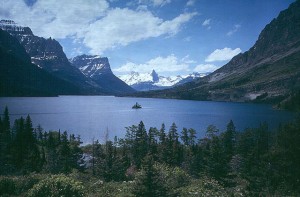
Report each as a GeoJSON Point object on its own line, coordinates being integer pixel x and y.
{"type": "Point", "coordinates": [155, 3]}
{"type": "Point", "coordinates": [186, 59]}
{"type": "Point", "coordinates": [223, 54]}
{"type": "Point", "coordinates": [235, 29]}
{"type": "Point", "coordinates": [58, 19]}
{"type": "Point", "coordinates": [190, 3]}
{"type": "Point", "coordinates": [92, 21]}
{"type": "Point", "coordinates": [113, 31]}
{"type": "Point", "coordinates": [203, 68]}
{"type": "Point", "coordinates": [160, 64]}
{"type": "Point", "coordinates": [206, 22]}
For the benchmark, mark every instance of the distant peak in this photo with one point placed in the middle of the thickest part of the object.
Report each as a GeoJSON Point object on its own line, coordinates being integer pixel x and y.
{"type": "Point", "coordinates": [154, 76]}
{"type": "Point", "coordinates": [8, 22]}
{"type": "Point", "coordinates": [13, 28]}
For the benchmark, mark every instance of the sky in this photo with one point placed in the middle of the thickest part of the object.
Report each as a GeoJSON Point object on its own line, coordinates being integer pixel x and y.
{"type": "Point", "coordinates": [173, 37]}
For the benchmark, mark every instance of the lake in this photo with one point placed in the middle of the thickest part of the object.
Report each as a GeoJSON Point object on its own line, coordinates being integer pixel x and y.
{"type": "Point", "coordinates": [94, 116]}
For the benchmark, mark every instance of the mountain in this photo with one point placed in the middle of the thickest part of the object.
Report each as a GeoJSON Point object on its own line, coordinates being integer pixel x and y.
{"type": "Point", "coordinates": [98, 69]}
{"type": "Point", "coordinates": [152, 81]}
{"type": "Point", "coordinates": [48, 54]}
{"type": "Point", "coordinates": [19, 77]}
{"type": "Point", "coordinates": [268, 72]}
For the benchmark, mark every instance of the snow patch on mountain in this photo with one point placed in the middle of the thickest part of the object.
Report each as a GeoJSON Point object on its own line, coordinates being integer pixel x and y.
{"type": "Point", "coordinates": [152, 81]}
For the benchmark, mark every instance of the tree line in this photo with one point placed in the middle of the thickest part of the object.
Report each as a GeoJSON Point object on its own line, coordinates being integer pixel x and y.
{"type": "Point", "coordinates": [24, 149]}
{"type": "Point", "coordinates": [256, 161]}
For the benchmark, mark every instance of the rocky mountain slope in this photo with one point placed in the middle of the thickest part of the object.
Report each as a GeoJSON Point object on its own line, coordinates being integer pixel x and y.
{"type": "Point", "coordinates": [98, 69]}
{"type": "Point", "coordinates": [48, 54]}
{"type": "Point", "coordinates": [153, 81]}
{"type": "Point", "coordinates": [268, 72]}
{"type": "Point", "coordinates": [19, 77]}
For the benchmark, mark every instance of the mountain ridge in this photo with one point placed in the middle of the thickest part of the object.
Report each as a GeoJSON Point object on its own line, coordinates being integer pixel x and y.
{"type": "Point", "coordinates": [268, 72]}
{"type": "Point", "coordinates": [98, 69]}
{"type": "Point", "coordinates": [19, 77]}
{"type": "Point", "coordinates": [48, 54]}
{"type": "Point", "coordinates": [153, 81]}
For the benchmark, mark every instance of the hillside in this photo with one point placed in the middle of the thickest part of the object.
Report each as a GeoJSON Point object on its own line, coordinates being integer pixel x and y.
{"type": "Point", "coordinates": [268, 72]}
{"type": "Point", "coordinates": [18, 77]}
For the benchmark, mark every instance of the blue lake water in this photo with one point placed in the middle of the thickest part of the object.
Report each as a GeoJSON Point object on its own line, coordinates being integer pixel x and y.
{"type": "Point", "coordinates": [92, 116]}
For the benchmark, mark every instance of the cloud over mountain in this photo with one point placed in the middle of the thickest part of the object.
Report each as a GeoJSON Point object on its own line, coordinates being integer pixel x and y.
{"type": "Point", "coordinates": [92, 22]}
{"type": "Point", "coordinates": [222, 54]}
{"type": "Point", "coordinates": [160, 64]}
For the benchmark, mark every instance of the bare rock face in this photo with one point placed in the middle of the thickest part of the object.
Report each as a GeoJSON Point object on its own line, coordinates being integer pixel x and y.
{"type": "Point", "coordinates": [19, 77]}
{"type": "Point", "coordinates": [98, 69]}
{"type": "Point", "coordinates": [48, 54]}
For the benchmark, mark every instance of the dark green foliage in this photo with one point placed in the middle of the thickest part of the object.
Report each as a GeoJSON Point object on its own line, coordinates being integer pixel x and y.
{"type": "Point", "coordinates": [255, 162]}
{"type": "Point", "coordinates": [17, 185]}
{"type": "Point", "coordinates": [58, 185]}
{"type": "Point", "coordinates": [25, 149]}
{"type": "Point", "coordinates": [292, 103]}
{"type": "Point", "coordinates": [149, 182]}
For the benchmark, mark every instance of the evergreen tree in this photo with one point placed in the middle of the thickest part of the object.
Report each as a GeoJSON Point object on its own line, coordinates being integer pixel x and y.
{"type": "Point", "coordinates": [5, 140]}
{"type": "Point", "coordinates": [173, 150]}
{"type": "Point", "coordinates": [152, 143]}
{"type": "Point", "coordinates": [98, 159]}
{"type": "Point", "coordinates": [75, 152]}
{"type": "Point", "coordinates": [229, 140]}
{"type": "Point", "coordinates": [6, 126]}
{"type": "Point", "coordinates": [140, 148]}
{"type": "Point", "coordinates": [18, 144]}
{"type": "Point", "coordinates": [184, 137]}
{"type": "Point", "coordinates": [149, 183]}
{"type": "Point", "coordinates": [192, 137]}
{"type": "Point", "coordinates": [109, 161]}
{"type": "Point", "coordinates": [32, 153]}
{"type": "Point", "coordinates": [162, 134]}
{"type": "Point", "coordinates": [64, 153]}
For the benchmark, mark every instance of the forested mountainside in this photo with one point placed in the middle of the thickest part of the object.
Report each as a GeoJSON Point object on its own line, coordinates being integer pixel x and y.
{"type": "Point", "coordinates": [268, 72]}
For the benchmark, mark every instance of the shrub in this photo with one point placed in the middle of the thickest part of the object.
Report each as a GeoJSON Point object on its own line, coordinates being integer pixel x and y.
{"type": "Point", "coordinates": [203, 187]}
{"type": "Point", "coordinates": [113, 189]}
{"type": "Point", "coordinates": [16, 185]}
{"type": "Point", "coordinates": [57, 185]}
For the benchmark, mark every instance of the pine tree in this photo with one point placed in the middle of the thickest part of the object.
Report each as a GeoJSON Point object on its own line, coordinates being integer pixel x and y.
{"type": "Point", "coordinates": [6, 126]}
{"type": "Point", "coordinates": [149, 183]}
{"type": "Point", "coordinates": [192, 137]}
{"type": "Point", "coordinates": [64, 154]}
{"type": "Point", "coordinates": [162, 134]}
{"type": "Point", "coordinates": [140, 148]}
{"type": "Point", "coordinates": [32, 154]}
{"type": "Point", "coordinates": [184, 137]}
{"type": "Point", "coordinates": [152, 143]}
{"type": "Point", "coordinates": [173, 151]}
{"type": "Point", "coordinates": [229, 140]}
{"type": "Point", "coordinates": [18, 144]}
{"type": "Point", "coordinates": [109, 161]}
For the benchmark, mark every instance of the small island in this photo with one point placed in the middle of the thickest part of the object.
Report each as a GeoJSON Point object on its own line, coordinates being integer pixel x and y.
{"type": "Point", "coordinates": [136, 106]}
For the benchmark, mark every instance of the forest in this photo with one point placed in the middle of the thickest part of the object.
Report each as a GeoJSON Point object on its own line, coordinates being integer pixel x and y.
{"type": "Point", "coordinates": [154, 162]}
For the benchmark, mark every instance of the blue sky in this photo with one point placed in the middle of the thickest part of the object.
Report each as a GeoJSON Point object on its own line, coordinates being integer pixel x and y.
{"type": "Point", "coordinates": [171, 36]}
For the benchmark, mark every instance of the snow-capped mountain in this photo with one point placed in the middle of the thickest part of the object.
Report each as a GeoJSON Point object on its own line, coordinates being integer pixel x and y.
{"type": "Point", "coordinates": [91, 65]}
{"type": "Point", "coordinates": [152, 81]}
{"type": "Point", "coordinates": [98, 69]}
{"type": "Point", "coordinates": [48, 55]}
{"type": "Point", "coordinates": [92, 75]}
